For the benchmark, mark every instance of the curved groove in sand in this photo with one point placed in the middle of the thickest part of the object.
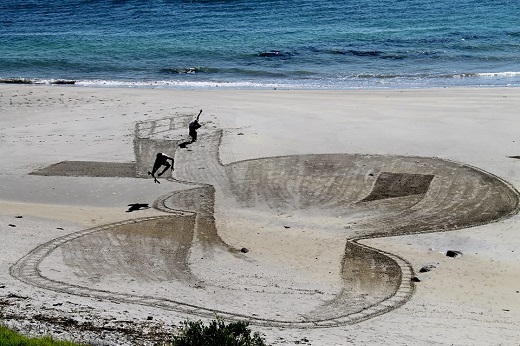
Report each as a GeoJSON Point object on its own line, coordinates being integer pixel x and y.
{"type": "Point", "coordinates": [390, 195]}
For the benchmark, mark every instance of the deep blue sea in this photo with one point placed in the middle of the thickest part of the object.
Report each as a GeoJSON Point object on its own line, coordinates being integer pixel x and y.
{"type": "Point", "coordinates": [319, 44]}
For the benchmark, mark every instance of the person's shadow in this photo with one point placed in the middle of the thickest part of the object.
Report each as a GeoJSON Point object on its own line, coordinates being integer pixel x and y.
{"type": "Point", "coordinates": [184, 144]}
{"type": "Point", "coordinates": [137, 206]}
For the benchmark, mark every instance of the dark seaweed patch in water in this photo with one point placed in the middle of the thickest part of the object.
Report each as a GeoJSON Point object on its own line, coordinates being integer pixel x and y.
{"type": "Point", "coordinates": [16, 81]}
{"type": "Point", "coordinates": [34, 81]}
{"type": "Point", "coordinates": [63, 81]}
{"type": "Point", "coordinates": [275, 54]}
{"type": "Point", "coordinates": [228, 71]}
{"type": "Point", "coordinates": [395, 56]}
{"type": "Point", "coordinates": [357, 52]}
{"type": "Point", "coordinates": [368, 53]}
{"type": "Point", "coordinates": [185, 70]}
{"type": "Point", "coordinates": [364, 53]}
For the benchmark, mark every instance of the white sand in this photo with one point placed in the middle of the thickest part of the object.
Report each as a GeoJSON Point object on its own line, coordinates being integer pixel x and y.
{"type": "Point", "coordinates": [472, 300]}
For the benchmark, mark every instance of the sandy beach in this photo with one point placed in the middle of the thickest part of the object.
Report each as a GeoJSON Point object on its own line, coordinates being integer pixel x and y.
{"type": "Point", "coordinates": [308, 213]}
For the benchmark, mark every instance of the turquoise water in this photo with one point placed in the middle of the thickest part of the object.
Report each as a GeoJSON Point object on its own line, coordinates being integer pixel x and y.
{"type": "Point", "coordinates": [262, 44]}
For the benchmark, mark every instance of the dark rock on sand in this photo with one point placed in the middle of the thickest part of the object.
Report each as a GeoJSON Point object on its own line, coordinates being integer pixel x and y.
{"type": "Point", "coordinates": [453, 253]}
{"type": "Point", "coordinates": [427, 268]}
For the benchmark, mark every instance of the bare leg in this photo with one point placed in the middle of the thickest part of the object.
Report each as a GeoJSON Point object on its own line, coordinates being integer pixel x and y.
{"type": "Point", "coordinates": [156, 166]}
{"type": "Point", "coordinates": [165, 168]}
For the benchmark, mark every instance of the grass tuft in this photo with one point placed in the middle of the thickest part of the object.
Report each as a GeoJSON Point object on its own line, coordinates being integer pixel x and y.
{"type": "Point", "coordinates": [12, 338]}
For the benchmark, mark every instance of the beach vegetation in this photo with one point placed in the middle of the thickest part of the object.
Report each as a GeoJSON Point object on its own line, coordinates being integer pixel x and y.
{"type": "Point", "coordinates": [9, 337]}
{"type": "Point", "coordinates": [191, 333]}
{"type": "Point", "coordinates": [217, 332]}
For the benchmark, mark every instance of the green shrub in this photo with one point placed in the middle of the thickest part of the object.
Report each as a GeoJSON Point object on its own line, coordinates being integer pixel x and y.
{"type": "Point", "coordinates": [216, 333]}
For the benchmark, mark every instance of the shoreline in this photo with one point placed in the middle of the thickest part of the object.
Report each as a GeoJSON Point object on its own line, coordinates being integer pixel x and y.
{"type": "Point", "coordinates": [247, 85]}
{"type": "Point", "coordinates": [44, 125]}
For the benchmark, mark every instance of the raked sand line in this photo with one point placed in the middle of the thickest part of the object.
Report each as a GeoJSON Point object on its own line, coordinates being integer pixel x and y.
{"type": "Point", "coordinates": [27, 270]}
{"type": "Point", "coordinates": [372, 196]}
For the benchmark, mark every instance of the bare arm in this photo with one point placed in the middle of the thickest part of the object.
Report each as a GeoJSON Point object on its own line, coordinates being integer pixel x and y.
{"type": "Point", "coordinates": [168, 157]}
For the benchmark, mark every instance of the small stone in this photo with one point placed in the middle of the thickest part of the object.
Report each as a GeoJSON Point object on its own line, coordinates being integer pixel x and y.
{"type": "Point", "coordinates": [453, 253]}
{"type": "Point", "coordinates": [416, 279]}
{"type": "Point", "coordinates": [286, 227]}
{"type": "Point", "coordinates": [426, 268]}
{"type": "Point", "coordinates": [244, 250]}
{"type": "Point", "coordinates": [11, 225]}
{"type": "Point", "coordinates": [149, 318]}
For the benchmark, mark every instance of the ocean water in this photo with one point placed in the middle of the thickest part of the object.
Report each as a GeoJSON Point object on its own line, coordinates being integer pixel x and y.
{"type": "Point", "coordinates": [325, 44]}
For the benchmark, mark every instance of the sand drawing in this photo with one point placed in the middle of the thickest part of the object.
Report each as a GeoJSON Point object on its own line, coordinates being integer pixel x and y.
{"type": "Point", "coordinates": [282, 232]}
